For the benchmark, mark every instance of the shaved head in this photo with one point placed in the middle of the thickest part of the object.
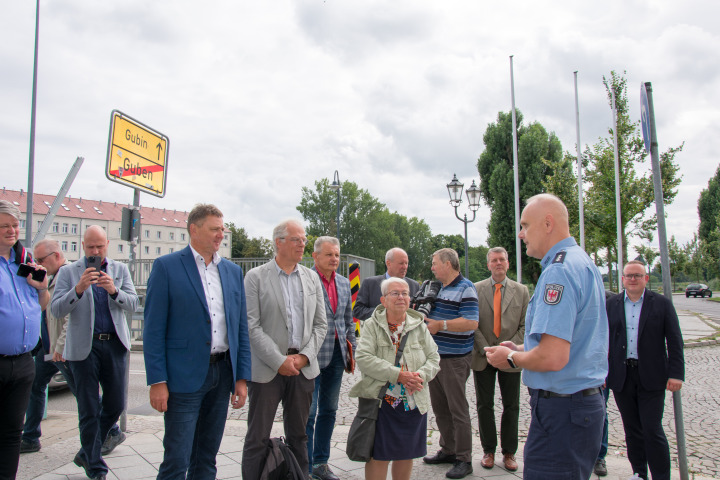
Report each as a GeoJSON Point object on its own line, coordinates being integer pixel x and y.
{"type": "Point", "coordinates": [544, 222]}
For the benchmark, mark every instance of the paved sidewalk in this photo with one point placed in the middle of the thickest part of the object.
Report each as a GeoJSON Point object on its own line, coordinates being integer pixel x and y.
{"type": "Point", "coordinates": [141, 454]}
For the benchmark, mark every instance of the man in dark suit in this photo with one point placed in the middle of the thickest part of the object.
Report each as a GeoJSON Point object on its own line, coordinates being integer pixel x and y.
{"type": "Point", "coordinates": [97, 341]}
{"type": "Point", "coordinates": [396, 261]}
{"type": "Point", "coordinates": [196, 346]}
{"type": "Point", "coordinates": [502, 304]}
{"type": "Point", "coordinates": [332, 357]}
{"type": "Point", "coordinates": [645, 359]}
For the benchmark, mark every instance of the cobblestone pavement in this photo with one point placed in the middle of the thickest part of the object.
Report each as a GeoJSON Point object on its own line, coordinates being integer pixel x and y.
{"type": "Point", "coordinates": [700, 404]}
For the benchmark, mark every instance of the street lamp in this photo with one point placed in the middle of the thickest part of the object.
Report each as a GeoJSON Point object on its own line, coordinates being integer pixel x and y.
{"type": "Point", "coordinates": [335, 185]}
{"type": "Point", "coordinates": [455, 189]}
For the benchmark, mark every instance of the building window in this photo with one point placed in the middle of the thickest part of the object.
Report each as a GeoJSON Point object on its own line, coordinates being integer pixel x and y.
{"type": "Point", "coordinates": [39, 222]}
{"type": "Point", "coordinates": [73, 246]}
{"type": "Point", "coordinates": [147, 233]}
{"type": "Point", "coordinates": [55, 227]}
{"type": "Point", "coordinates": [22, 223]}
{"type": "Point", "coordinates": [182, 237]}
{"type": "Point", "coordinates": [73, 228]}
{"type": "Point", "coordinates": [63, 246]}
{"type": "Point", "coordinates": [120, 232]}
{"type": "Point", "coordinates": [172, 249]}
{"type": "Point", "coordinates": [65, 228]}
{"type": "Point", "coordinates": [157, 250]}
{"type": "Point", "coordinates": [159, 235]}
{"type": "Point", "coordinates": [147, 249]}
{"type": "Point", "coordinates": [120, 248]}
{"type": "Point", "coordinates": [224, 244]}
{"type": "Point", "coordinates": [172, 235]}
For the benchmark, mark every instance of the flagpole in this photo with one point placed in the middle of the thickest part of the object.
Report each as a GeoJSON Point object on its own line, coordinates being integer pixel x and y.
{"type": "Point", "coordinates": [518, 252]}
{"type": "Point", "coordinates": [579, 167]}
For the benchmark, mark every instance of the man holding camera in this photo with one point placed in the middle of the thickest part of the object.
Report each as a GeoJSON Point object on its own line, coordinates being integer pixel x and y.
{"type": "Point", "coordinates": [396, 261]}
{"type": "Point", "coordinates": [21, 301]}
{"type": "Point", "coordinates": [503, 304]}
{"type": "Point", "coordinates": [452, 323]}
{"type": "Point", "coordinates": [96, 292]}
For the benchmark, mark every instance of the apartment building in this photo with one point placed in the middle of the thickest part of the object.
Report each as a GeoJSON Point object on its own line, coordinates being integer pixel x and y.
{"type": "Point", "coordinates": [163, 230]}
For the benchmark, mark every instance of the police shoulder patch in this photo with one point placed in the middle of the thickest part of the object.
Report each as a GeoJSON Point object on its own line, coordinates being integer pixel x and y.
{"type": "Point", "coordinates": [559, 257]}
{"type": "Point", "coordinates": [553, 293]}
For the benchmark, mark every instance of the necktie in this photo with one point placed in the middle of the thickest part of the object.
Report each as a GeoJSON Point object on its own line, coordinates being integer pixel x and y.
{"type": "Point", "coordinates": [44, 335]}
{"type": "Point", "coordinates": [497, 308]}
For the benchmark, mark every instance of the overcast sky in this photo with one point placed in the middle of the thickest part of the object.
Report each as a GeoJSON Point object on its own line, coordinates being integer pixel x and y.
{"type": "Point", "coordinates": [261, 98]}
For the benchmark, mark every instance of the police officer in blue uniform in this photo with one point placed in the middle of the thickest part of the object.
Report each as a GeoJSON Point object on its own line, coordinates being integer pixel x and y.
{"type": "Point", "coordinates": [564, 355]}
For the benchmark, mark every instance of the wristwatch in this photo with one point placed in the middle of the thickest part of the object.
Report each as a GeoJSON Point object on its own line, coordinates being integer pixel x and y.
{"type": "Point", "coordinates": [444, 324]}
{"type": "Point", "coordinates": [510, 360]}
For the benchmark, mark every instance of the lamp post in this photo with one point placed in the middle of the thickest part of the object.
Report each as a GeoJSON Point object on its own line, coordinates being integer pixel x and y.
{"type": "Point", "coordinates": [335, 185]}
{"type": "Point", "coordinates": [455, 189]}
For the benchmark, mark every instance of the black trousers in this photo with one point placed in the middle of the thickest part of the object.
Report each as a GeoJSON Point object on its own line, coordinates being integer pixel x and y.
{"type": "Point", "coordinates": [16, 378]}
{"type": "Point", "coordinates": [485, 395]}
{"type": "Point", "coordinates": [642, 413]}
{"type": "Point", "coordinates": [295, 393]}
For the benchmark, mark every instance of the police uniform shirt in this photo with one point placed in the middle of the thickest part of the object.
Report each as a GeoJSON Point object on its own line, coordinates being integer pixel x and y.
{"type": "Point", "coordinates": [569, 303]}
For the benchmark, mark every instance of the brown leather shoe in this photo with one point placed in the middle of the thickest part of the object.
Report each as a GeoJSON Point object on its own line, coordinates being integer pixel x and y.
{"type": "Point", "coordinates": [488, 460]}
{"type": "Point", "coordinates": [510, 463]}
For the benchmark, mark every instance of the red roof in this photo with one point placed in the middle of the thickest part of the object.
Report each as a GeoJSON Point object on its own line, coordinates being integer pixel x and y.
{"type": "Point", "coordinates": [78, 207]}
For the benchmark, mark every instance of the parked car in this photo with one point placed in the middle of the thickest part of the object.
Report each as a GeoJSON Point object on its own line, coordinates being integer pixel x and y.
{"type": "Point", "coordinates": [57, 382]}
{"type": "Point", "coordinates": [698, 290]}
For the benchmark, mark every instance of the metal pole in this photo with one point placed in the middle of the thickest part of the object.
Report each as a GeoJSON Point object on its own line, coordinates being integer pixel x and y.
{"type": "Point", "coordinates": [579, 167]}
{"type": "Point", "coordinates": [518, 252]}
{"type": "Point", "coordinates": [665, 262]}
{"type": "Point", "coordinates": [618, 218]}
{"type": "Point", "coordinates": [338, 214]}
{"type": "Point", "coordinates": [467, 274]}
{"type": "Point", "coordinates": [31, 163]}
{"type": "Point", "coordinates": [58, 200]}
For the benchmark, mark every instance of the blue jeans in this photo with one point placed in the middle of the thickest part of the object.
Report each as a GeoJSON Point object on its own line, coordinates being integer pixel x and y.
{"type": "Point", "coordinates": [104, 366]}
{"type": "Point", "coordinates": [324, 406]}
{"type": "Point", "coordinates": [44, 371]}
{"type": "Point", "coordinates": [604, 442]}
{"type": "Point", "coordinates": [194, 425]}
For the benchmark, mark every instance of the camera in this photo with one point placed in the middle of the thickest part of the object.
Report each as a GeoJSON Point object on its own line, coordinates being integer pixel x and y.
{"type": "Point", "coordinates": [424, 299]}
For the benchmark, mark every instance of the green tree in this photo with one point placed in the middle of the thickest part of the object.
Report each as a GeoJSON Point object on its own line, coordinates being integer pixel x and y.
{"type": "Point", "coordinates": [538, 152]}
{"type": "Point", "coordinates": [649, 255]}
{"type": "Point", "coordinates": [708, 207]}
{"type": "Point", "coordinates": [367, 228]}
{"type": "Point", "coordinates": [636, 189]}
{"type": "Point", "coordinates": [245, 247]}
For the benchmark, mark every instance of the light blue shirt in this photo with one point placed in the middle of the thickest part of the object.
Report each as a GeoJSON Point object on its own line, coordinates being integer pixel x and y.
{"type": "Point", "coordinates": [632, 323]}
{"type": "Point", "coordinates": [293, 295]}
{"type": "Point", "coordinates": [19, 310]}
{"type": "Point", "coordinates": [569, 303]}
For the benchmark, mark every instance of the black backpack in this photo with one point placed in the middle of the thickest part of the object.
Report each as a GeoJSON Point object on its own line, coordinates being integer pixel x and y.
{"type": "Point", "coordinates": [280, 463]}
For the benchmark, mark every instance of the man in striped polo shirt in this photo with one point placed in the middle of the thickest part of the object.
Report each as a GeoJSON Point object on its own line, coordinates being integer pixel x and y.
{"type": "Point", "coordinates": [452, 322]}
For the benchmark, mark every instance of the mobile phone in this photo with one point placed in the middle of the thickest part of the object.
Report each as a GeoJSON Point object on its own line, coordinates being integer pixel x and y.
{"type": "Point", "coordinates": [94, 262]}
{"type": "Point", "coordinates": [25, 270]}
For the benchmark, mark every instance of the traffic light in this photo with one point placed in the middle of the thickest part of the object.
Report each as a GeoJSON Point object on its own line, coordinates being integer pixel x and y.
{"type": "Point", "coordinates": [130, 224]}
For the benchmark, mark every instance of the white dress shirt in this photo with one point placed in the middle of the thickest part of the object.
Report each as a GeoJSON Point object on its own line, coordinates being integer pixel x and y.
{"type": "Point", "coordinates": [210, 278]}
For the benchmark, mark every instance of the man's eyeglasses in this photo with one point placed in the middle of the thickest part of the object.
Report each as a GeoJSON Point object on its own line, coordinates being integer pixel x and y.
{"type": "Point", "coordinates": [634, 276]}
{"type": "Point", "coordinates": [42, 259]}
{"type": "Point", "coordinates": [302, 240]}
{"type": "Point", "coordinates": [399, 294]}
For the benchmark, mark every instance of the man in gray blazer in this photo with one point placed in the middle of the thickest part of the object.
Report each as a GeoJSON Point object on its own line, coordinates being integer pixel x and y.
{"type": "Point", "coordinates": [506, 323]}
{"type": "Point", "coordinates": [287, 326]}
{"type": "Point", "coordinates": [396, 261]}
{"type": "Point", "coordinates": [97, 341]}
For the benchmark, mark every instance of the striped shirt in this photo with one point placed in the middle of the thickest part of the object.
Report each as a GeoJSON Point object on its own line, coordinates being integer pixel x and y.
{"type": "Point", "coordinates": [457, 299]}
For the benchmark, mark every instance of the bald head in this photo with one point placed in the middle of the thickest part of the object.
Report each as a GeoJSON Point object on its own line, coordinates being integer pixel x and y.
{"type": "Point", "coordinates": [544, 222]}
{"type": "Point", "coordinates": [95, 242]}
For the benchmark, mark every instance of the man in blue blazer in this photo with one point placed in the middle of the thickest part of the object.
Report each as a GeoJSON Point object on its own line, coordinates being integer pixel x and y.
{"type": "Point", "coordinates": [332, 357]}
{"type": "Point", "coordinates": [196, 346]}
{"type": "Point", "coordinates": [645, 359]}
{"type": "Point", "coordinates": [97, 341]}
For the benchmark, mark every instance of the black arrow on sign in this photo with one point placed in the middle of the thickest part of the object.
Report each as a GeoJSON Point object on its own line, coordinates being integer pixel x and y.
{"type": "Point", "coordinates": [159, 147]}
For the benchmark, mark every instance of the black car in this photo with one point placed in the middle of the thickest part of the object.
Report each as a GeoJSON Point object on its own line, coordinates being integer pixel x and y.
{"type": "Point", "coordinates": [698, 290]}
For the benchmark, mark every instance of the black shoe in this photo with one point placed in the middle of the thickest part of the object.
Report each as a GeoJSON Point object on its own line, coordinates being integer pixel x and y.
{"type": "Point", "coordinates": [439, 458]}
{"type": "Point", "coordinates": [323, 472]}
{"type": "Point", "coordinates": [600, 467]}
{"type": "Point", "coordinates": [111, 442]}
{"type": "Point", "coordinates": [29, 447]}
{"type": "Point", "coordinates": [80, 462]}
{"type": "Point", "coordinates": [460, 470]}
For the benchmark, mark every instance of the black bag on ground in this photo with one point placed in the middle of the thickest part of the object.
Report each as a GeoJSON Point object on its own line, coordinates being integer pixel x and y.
{"type": "Point", "coordinates": [280, 463]}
